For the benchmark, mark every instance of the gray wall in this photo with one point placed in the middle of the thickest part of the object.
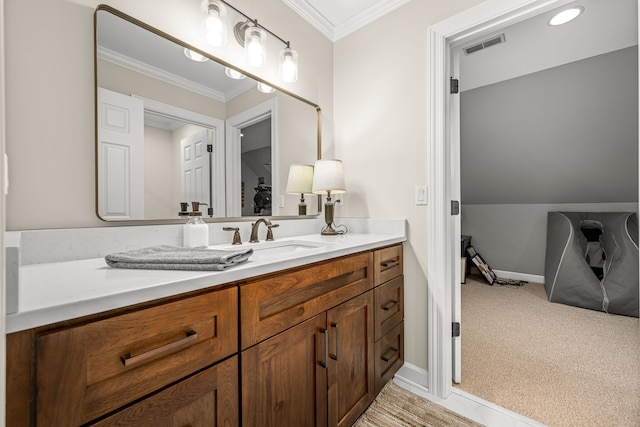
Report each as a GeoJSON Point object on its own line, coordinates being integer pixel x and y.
{"type": "Point", "coordinates": [547, 141]}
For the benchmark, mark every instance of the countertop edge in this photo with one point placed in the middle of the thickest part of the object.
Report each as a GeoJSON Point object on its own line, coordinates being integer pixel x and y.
{"type": "Point", "coordinates": [195, 281]}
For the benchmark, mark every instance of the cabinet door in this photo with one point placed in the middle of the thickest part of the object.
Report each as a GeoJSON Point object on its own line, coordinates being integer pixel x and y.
{"type": "Point", "coordinates": [351, 359]}
{"type": "Point", "coordinates": [209, 398]}
{"type": "Point", "coordinates": [284, 378]}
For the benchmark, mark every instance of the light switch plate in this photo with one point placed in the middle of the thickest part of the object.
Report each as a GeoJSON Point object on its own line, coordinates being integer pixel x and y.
{"type": "Point", "coordinates": [422, 195]}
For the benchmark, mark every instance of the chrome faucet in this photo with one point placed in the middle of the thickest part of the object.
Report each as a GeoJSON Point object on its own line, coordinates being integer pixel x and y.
{"type": "Point", "coordinates": [256, 225]}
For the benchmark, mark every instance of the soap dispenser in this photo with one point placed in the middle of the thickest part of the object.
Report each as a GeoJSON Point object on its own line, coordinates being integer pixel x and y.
{"type": "Point", "coordinates": [195, 231]}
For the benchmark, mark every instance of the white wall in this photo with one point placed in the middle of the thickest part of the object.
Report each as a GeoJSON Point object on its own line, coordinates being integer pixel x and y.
{"type": "Point", "coordinates": [50, 93]}
{"type": "Point", "coordinates": [380, 76]}
{"type": "Point", "coordinates": [2, 227]}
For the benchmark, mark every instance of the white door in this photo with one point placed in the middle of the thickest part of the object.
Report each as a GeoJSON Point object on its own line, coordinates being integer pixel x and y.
{"type": "Point", "coordinates": [194, 169]}
{"type": "Point", "coordinates": [120, 156]}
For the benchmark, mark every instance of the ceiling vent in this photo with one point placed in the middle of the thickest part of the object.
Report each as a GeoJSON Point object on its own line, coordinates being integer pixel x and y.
{"type": "Point", "coordinates": [485, 44]}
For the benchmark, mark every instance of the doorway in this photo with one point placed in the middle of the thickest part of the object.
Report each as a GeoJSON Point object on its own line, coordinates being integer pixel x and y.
{"type": "Point", "coordinates": [444, 178]}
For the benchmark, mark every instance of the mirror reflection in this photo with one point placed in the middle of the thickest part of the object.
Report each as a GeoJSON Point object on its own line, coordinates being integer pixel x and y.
{"type": "Point", "coordinates": [176, 127]}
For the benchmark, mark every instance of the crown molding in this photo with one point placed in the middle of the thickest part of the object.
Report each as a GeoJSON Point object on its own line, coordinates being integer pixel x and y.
{"type": "Point", "coordinates": [146, 69]}
{"type": "Point", "coordinates": [336, 32]}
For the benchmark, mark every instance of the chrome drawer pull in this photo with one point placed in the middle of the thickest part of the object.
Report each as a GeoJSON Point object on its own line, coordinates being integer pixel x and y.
{"type": "Point", "coordinates": [389, 305]}
{"type": "Point", "coordinates": [389, 354]}
{"type": "Point", "coordinates": [172, 347]}
{"type": "Point", "coordinates": [390, 264]}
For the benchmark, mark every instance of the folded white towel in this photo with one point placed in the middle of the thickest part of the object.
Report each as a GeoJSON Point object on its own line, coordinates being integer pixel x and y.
{"type": "Point", "coordinates": [165, 257]}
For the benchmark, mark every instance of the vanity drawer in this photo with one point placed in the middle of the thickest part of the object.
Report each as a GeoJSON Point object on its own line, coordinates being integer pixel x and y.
{"type": "Point", "coordinates": [86, 371]}
{"type": "Point", "coordinates": [387, 264]}
{"type": "Point", "coordinates": [389, 356]}
{"type": "Point", "coordinates": [389, 303]}
{"type": "Point", "coordinates": [277, 303]}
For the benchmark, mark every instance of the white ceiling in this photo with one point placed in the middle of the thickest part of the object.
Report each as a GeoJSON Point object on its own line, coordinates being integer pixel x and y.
{"type": "Point", "coordinates": [531, 45]}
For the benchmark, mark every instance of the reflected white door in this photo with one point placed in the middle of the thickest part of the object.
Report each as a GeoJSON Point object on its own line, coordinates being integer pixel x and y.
{"type": "Point", "coordinates": [194, 169]}
{"type": "Point", "coordinates": [120, 156]}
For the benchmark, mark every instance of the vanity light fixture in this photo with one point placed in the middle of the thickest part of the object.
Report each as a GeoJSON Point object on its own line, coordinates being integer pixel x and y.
{"type": "Point", "coordinates": [194, 56]}
{"type": "Point", "coordinates": [255, 45]}
{"type": "Point", "coordinates": [328, 178]}
{"type": "Point", "coordinates": [236, 75]}
{"type": "Point", "coordinates": [265, 88]}
{"type": "Point", "coordinates": [288, 65]}
{"type": "Point", "coordinates": [566, 15]}
{"type": "Point", "coordinates": [215, 22]}
{"type": "Point", "coordinates": [300, 182]}
{"type": "Point", "coordinates": [250, 35]}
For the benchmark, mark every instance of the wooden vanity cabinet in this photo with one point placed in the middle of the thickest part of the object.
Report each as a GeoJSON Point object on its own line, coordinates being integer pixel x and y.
{"type": "Point", "coordinates": [389, 314]}
{"type": "Point", "coordinates": [307, 339]}
{"type": "Point", "coordinates": [77, 374]}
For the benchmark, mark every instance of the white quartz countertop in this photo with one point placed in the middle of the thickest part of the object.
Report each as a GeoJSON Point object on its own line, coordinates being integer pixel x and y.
{"type": "Point", "coordinates": [58, 291]}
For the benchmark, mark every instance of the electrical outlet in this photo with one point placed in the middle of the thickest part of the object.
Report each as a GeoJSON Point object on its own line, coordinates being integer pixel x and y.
{"type": "Point", "coordinates": [340, 200]}
{"type": "Point", "coordinates": [422, 195]}
{"type": "Point", "coordinates": [281, 202]}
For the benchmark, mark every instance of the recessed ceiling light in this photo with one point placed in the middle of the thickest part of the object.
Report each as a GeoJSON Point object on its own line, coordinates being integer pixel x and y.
{"type": "Point", "coordinates": [194, 56]}
{"type": "Point", "coordinates": [230, 72]}
{"type": "Point", "coordinates": [566, 15]}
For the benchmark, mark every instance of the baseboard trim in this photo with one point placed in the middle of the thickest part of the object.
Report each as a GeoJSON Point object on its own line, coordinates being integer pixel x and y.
{"type": "Point", "coordinates": [415, 380]}
{"type": "Point", "coordinates": [534, 278]}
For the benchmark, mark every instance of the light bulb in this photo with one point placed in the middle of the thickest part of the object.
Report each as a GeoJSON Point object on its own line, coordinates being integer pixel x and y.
{"type": "Point", "coordinates": [194, 56]}
{"type": "Point", "coordinates": [288, 65]}
{"type": "Point", "coordinates": [265, 88]}
{"type": "Point", "coordinates": [230, 72]}
{"type": "Point", "coordinates": [255, 46]}
{"type": "Point", "coordinates": [215, 22]}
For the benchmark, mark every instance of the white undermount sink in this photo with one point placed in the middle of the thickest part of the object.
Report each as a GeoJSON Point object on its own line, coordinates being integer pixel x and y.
{"type": "Point", "coordinates": [276, 249]}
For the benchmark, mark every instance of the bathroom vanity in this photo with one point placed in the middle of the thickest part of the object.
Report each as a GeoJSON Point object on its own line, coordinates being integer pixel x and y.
{"type": "Point", "coordinates": [308, 340]}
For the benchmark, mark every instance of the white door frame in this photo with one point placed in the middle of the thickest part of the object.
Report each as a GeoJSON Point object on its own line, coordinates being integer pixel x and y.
{"type": "Point", "coordinates": [234, 155]}
{"type": "Point", "coordinates": [444, 173]}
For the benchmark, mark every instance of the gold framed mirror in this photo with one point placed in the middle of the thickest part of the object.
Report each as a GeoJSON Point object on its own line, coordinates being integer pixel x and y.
{"type": "Point", "coordinates": [172, 130]}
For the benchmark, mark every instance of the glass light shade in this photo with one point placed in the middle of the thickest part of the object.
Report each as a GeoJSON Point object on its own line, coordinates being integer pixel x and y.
{"type": "Point", "coordinates": [300, 179]}
{"type": "Point", "coordinates": [230, 72]}
{"type": "Point", "coordinates": [194, 56]}
{"type": "Point", "coordinates": [255, 46]}
{"type": "Point", "coordinates": [566, 15]}
{"type": "Point", "coordinates": [264, 88]}
{"type": "Point", "coordinates": [215, 22]}
{"type": "Point", "coordinates": [328, 175]}
{"type": "Point", "coordinates": [288, 65]}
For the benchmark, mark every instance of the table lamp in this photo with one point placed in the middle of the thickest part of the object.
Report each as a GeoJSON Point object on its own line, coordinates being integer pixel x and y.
{"type": "Point", "coordinates": [299, 182]}
{"type": "Point", "coordinates": [328, 177]}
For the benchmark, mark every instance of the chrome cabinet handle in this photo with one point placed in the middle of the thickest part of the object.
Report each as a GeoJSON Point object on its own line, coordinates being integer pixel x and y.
{"type": "Point", "coordinates": [335, 325]}
{"type": "Point", "coordinates": [129, 361]}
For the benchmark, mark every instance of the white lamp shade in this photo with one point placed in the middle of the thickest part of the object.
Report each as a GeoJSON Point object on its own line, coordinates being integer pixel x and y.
{"type": "Point", "coordinates": [328, 175]}
{"type": "Point", "coordinates": [300, 179]}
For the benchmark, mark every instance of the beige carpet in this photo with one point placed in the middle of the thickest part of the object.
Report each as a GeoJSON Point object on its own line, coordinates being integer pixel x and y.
{"type": "Point", "coordinates": [557, 364]}
{"type": "Point", "coordinates": [397, 407]}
